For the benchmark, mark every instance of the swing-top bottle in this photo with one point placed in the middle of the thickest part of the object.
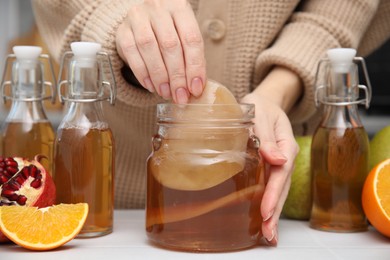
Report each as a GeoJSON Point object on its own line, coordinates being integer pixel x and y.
{"type": "Point", "coordinates": [26, 131]}
{"type": "Point", "coordinates": [84, 146]}
{"type": "Point", "coordinates": [340, 146]}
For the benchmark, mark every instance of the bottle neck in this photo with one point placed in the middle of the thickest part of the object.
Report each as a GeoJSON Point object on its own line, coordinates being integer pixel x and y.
{"type": "Point", "coordinates": [27, 92]}
{"type": "Point", "coordinates": [341, 117]}
{"type": "Point", "coordinates": [340, 99]}
{"type": "Point", "coordinates": [84, 115]}
{"type": "Point", "coordinates": [27, 80]}
{"type": "Point", "coordinates": [85, 80]}
{"type": "Point", "coordinates": [26, 111]}
{"type": "Point", "coordinates": [84, 109]}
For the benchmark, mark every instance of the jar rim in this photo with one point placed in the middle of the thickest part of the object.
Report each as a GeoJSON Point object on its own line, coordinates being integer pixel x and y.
{"type": "Point", "coordinates": [238, 113]}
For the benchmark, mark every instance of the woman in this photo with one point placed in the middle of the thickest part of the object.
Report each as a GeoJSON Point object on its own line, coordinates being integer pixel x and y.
{"type": "Point", "coordinates": [264, 51]}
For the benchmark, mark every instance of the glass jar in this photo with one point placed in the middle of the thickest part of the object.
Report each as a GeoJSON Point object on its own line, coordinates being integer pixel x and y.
{"type": "Point", "coordinates": [205, 178]}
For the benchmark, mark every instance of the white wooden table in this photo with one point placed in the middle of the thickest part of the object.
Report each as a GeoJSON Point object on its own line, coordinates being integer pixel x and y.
{"type": "Point", "coordinates": [296, 241]}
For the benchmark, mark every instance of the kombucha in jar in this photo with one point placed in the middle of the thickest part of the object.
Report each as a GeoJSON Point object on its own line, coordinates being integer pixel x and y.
{"type": "Point", "coordinates": [205, 180]}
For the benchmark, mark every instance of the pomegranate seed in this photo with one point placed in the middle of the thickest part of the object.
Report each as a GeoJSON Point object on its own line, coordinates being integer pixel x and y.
{"type": "Point", "coordinates": [6, 193]}
{"type": "Point", "coordinates": [3, 179]}
{"type": "Point", "coordinates": [20, 179]}
{"type": "Point", "coordinates": [12, 170]}
{"type": "Point", "coordinates": [21, 200]}
{"type": "Point", "coordinates": [13, 185]}
{"type": "Point", "coordinates": [25, 172]}
{"type": "Point", "coordinates": [33, 171]}
{"type": "Point", "coordinates": [13, 197]}
{"type": "Point", "coordinates": [11, 162]}
{"type": "Point", "coordinates": [9, 194]}
{"type": "Point", "coordinates": [36, 183]}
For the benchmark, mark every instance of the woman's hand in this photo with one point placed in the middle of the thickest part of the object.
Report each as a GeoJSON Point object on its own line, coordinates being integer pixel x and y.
{"type": "Point", "coordinates": [161, 42]}
{"type": "Point", "coordinates": [276, 94]}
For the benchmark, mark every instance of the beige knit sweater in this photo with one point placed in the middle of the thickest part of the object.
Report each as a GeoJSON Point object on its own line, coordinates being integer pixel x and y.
{"type": "Point", "coordinates": [243, 40]}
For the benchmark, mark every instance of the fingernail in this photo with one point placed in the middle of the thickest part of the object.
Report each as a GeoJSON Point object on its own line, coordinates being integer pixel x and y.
{"type": "Point", "coordinates": [276, 236]}
{"type": "Point", "coordinates": [149, 85]}
{"type": "Point", "coordinates": [196, 87]}
{"type": "Point", "coordinates": [270, 214]}
{"type": "Point", "coordinates": [269, 239]}
{"type": "Point", "coordinates": [165, 91]}
{"type": "Point", "coordinates": [279, 156]}
{"type": "Point", "coordinates": [181, 96]}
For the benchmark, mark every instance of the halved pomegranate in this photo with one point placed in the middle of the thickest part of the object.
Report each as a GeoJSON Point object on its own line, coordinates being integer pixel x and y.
{"type": "Point", "coordinates": [26, 183]}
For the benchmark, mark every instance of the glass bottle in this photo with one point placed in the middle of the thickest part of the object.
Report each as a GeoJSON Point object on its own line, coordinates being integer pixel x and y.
{"type": "Point", "coordinates": [205, 178]}
{"type": "Point", "coordinates": [27, 132]}
{"type": "Point", "coordinates": [84, 146]}
{"type": "Point", "coordinates": [340, 146]}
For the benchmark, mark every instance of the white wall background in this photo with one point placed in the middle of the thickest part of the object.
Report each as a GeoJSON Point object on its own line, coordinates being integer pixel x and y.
{"type": "Point", "coordinates": [16, 19]}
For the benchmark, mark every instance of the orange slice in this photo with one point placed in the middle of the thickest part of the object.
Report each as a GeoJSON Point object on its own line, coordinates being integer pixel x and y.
{"type": "Point", "coordinates": [376, 197]}
{"type": "Point", "coordinates": [42, 228]}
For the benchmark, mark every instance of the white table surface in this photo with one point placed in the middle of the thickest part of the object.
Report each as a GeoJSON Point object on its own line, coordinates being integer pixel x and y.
{"type": "Point", "coordinates": [296, 241]}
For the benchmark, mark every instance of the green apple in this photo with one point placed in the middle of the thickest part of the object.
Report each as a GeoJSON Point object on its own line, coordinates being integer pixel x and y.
{"type": "Point", "coordinates": [379, 147]}
{"type": "Point", "coordinates": [298, 202]}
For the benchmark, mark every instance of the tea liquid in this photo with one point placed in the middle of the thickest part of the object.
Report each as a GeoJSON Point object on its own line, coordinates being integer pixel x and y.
{"type": "Point", "coordinates": [339, 166]}
{"type": "Point", "coordinates": [28, 140]}
{"type": "Point", "coordinates": [84, 168]}
{"type": "Point", "coordinates": [221, 218]}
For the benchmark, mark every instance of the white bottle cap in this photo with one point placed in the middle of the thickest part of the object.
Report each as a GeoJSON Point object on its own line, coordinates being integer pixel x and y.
{"type": "Point", "coordinates": [341, 59]}
{"type": "Point", "coordinates": [27, 56]}
{"type": "Point", "coordinates": [27, 52]}
{"type": "Point", "coordinates": [85, 52]}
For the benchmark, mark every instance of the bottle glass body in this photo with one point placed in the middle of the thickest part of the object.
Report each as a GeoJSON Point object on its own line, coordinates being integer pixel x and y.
{"type": "Point", "coordinates": [339, 161]}
{"type": "Point", "coordinates": [27, 132]}
{"type": "Point", "coordinates": [84, 153]}
{"type": "Point", "coordinates": [205, 182]}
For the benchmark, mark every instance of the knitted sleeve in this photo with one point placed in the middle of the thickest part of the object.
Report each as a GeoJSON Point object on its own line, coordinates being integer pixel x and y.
{"type": "Point", "coordinates": [62, 22]}
{"type": "Point", "coordinates": [314, 27]}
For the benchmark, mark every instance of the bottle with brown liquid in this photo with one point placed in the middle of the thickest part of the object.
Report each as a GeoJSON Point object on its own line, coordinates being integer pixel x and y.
{"type": "Point", "coordinates": [340, 146]}
{"type": "Point", "coordinates": [84, 146]}
{"type": "Point", "coordinates": [27, 131]}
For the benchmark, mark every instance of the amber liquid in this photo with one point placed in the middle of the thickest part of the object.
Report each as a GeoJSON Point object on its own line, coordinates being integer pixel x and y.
{"type": "Point", "coordinates": [339, 166]}
{"type": "Point", "coordinates": [84, 169]}
{"type": "Point", "coordinates": [28, 140]}
{"type": "Point", "coordinates": [225, 217]}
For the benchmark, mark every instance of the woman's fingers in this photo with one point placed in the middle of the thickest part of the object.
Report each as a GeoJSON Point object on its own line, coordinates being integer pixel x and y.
{"type": "Point", "coordinates": [279, 149]}
{"type": "Point", "coordinates": [128, 50]}
{"type": "Point", "coordinates": [193, 50]}
{"type": "Point", "coordinates": [171, 51]}
{"type": "Point", "coordinates": [161, 42]}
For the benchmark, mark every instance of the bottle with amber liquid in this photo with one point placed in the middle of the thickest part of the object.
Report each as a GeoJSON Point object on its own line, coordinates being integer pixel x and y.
{"type": "Point", "coordinates": [27, 132]}
{"type": "Point", "coordinates": [84, 145]}
{"type": "Point", "coordinates": [340, 145]}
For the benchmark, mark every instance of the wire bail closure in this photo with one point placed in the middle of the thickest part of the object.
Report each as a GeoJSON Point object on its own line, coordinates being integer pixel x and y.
{"type": "Point", "coordinates": [367, 89]}
{"type": "Point", "coordinates": [52, 87]}
{"type": "Point", "coordinates": [105, 84]}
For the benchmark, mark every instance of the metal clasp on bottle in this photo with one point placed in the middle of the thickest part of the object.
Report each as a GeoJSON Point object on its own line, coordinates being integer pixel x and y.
{"type": "Point", "coordinates": [367, 89]}
{"type": "Point", "coordinates": [50, 85]}
{"type": "Point", "coordinates": [106, 84]}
